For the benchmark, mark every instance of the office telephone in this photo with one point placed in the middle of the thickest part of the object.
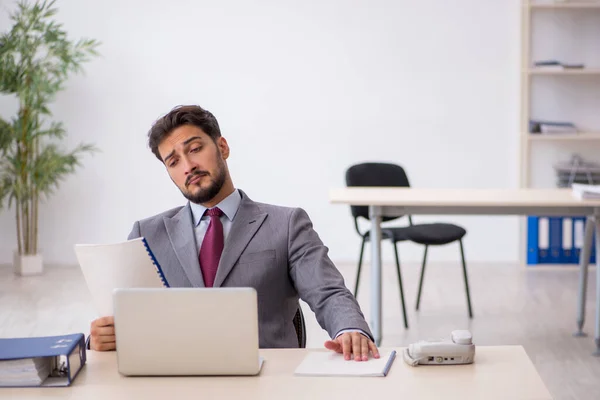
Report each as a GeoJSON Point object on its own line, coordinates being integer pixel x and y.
{"type": "Point", "coordinates": [458, 350]}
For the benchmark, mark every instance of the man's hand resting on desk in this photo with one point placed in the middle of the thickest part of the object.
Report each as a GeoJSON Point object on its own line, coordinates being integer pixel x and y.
{"type": "Point", "coordinates": [353, 343]}
{"type": "Point", "coordinates": [102, 334]}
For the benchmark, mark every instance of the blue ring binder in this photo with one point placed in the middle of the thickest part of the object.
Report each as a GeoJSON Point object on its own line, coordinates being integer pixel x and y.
{"type": "Point", "coordinates": [54, 360]}
{"type": "Point", "coordinates": [156, 264]}
{"type": "Point", "coordinates": [554, 252]}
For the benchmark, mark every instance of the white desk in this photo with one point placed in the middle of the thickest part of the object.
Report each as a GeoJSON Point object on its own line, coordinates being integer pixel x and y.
{"type": "Point", "coordinates": [402, 201]}
{"type": "Point", "coordinates": [503, 372]}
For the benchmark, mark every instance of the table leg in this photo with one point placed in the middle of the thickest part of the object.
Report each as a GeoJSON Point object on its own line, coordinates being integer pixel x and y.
{"type": "Point", "coordinates": [597, 333]}
{"type": "Point", "coordinates": [584, 261]}
{"type": "Point", "coordinates": [375, 215]}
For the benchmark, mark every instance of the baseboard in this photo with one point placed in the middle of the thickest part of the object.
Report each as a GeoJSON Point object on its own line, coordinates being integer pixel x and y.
{"type": "Point", "coordinates": [51, 266]}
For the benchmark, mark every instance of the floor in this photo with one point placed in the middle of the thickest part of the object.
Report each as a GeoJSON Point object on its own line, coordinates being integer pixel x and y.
{"type": "Point", "coordinates": [512, 305]}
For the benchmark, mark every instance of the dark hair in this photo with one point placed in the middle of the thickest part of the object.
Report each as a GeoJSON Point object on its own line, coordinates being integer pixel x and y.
{"type": "Point", "coordinates": [179, 116]}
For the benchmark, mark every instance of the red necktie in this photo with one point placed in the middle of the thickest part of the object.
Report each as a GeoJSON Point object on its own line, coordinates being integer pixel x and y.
{"type": "Point", "coordinates": [212, 247]}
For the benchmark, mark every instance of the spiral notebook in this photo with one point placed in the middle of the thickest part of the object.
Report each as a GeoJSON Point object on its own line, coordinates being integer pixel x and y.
{"type": "Point", "coordinates": [106, 267]}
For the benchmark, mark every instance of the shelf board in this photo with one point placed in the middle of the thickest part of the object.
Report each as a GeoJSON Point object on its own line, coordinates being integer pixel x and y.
{"type": "Point", "coordinates": [573, 71]}
{"type": "Point", "coordinates": [566, 5]}
{"type": "Point", "coordinates": [564, 136]}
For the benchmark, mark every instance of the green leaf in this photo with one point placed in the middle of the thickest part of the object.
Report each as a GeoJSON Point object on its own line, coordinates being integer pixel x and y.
{"type": "Point", "coordinates": [37, 58]}
{"type": "Point", "coordinates": [6, 136]}
{"type": "Point", "coordinates": [52, 166]}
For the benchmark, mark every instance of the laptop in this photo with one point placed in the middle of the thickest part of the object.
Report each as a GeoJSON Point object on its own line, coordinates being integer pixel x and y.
{"type": "Point", "coordinates": [186, 331]}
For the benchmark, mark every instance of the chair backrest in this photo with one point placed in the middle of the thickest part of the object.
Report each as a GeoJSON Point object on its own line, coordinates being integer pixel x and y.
{"type": "Point", "coordinates": [300, 326]}
{"type": "Point", "coordinates": [374, 174]}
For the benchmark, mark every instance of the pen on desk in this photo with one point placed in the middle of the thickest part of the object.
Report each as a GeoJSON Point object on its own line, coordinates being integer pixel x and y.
{"type": "Point", "coordinates": [389, 363]}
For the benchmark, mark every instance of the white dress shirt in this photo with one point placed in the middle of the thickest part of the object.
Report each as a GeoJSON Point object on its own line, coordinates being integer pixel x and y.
{"type": "Point", "coordinates": [229, 205]}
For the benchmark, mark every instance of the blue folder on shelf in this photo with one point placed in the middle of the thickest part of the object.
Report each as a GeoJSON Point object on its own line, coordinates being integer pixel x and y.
{"type": "Point", "coordinates": [578, 234]}
{"type": "Point", "coordinates": [568, 245]}
{"type": "Point", "coordinates": [556, 240]}
{"type": "Point", "coordinates": [538, 241]}
{"type": "Point", "coordinates": [533, 249]}
{"type": "Point", "coordinates": [41, 361]}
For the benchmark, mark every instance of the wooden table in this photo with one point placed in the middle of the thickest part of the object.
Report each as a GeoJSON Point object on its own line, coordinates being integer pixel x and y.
{"type": "Point", "coordinates": [503, 372]}
{"type": "Point", "coordinates": [392, 201]}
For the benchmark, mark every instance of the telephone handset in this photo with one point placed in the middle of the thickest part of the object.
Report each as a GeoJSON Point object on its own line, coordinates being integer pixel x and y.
{"type": "Point", "coordinates": [459, 350]}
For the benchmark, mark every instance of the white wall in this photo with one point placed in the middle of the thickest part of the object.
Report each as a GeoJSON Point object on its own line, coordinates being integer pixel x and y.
{"type": "Point", "coordinates": [302, 89]}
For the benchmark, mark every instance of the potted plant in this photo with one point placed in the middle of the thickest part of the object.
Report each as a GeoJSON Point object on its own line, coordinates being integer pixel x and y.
{"type": "Point", "coordinates": [36, 59]}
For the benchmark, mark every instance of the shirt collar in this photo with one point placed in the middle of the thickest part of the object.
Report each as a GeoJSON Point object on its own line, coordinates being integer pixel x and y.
{"type": "Point", "coordinates": [229, 205]}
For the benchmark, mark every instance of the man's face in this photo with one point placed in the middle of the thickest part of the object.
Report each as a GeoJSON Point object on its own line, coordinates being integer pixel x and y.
{"type": "Point", "coordinates": [195, 163]}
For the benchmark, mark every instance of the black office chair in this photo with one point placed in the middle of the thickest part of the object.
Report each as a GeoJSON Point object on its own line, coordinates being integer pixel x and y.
{"type": "Point", "coordinates": [300, 326]}
{"type": "Point", "coordinates": [381, 174]}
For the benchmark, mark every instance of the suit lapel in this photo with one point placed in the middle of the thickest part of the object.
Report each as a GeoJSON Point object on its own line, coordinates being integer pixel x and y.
{"type": "Point", "coordinates": [181, 234]}
{"type": "Point", "coordinates": [246, 223]}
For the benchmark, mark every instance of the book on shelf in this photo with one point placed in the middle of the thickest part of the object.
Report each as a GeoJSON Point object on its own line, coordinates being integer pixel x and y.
{"type": "Point", "coordinates": [550, 127]}
{"type": "Point", "coordinates": [553, 65]}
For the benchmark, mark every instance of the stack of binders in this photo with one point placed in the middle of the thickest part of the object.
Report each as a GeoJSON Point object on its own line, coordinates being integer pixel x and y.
{"type": "Point", "coordinates": [556, 240]}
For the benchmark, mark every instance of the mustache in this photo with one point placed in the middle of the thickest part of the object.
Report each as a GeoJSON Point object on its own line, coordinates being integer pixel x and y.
{"type": "Point", "coordinates": [195, 174]}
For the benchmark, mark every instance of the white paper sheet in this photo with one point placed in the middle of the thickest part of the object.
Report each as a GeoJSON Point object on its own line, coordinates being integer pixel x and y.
{"type": "Point", "coordinates": [107, 267]}
{"type": "Point", "coordinates": [327, 363]}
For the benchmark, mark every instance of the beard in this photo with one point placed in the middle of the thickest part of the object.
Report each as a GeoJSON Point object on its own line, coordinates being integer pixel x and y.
{"type": "Point", "coordinates": [205, 194]}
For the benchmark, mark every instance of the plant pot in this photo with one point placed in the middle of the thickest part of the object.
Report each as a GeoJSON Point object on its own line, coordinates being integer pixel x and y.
{"type": "Point", "coordinates": [27, 264]}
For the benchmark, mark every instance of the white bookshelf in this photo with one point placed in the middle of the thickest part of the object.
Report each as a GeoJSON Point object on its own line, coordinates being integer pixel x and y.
{"type": "Point", "coordinates": [565, 5]}
{"type": "Point", "coordinates": [581, 136]}
{"type": "Point", "coordinates": [573, 71]}
{"type": "Point", "coordinates": [566, 31]}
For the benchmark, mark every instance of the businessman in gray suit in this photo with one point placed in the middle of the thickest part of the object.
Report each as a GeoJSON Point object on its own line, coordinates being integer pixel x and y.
{"type": "Point", "coordinates": [222, 238]}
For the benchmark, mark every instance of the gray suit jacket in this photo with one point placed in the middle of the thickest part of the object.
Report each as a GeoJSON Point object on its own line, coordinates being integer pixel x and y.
{"type": "Point", "coordinates": [272, 249]}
